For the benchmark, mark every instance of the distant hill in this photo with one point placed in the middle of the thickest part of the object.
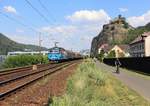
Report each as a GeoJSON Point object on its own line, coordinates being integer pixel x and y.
{"type": "Point", "coordinates": [8, 45]}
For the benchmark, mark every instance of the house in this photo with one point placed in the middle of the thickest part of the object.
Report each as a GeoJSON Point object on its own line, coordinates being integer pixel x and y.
{"type": "Point", "coordinates": [102, 47]}
{"type": "Point", "coordinates": [140, 47]}
{"type": "Point", "coordinates": [121, 50]}
{"type": "Point", "coordinates": [105, 48]}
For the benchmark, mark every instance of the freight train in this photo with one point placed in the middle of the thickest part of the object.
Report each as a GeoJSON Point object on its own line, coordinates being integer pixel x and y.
{"type": "Point", "coordinates": [58, 54]}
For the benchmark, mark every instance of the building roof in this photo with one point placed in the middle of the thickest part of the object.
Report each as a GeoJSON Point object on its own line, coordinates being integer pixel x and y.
{"type": "Point", "coordinates": [124, 47]}
{"type": "Point", "coordinates": [140, 38]}
{"type": "Point", "coordinates": [106, 47]}
{"type": "Point", "coordinates": [103, 46]}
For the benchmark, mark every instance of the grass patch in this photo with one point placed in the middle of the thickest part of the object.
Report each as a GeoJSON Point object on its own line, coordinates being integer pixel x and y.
{"type": "Point", "coordinates": [90, 86]}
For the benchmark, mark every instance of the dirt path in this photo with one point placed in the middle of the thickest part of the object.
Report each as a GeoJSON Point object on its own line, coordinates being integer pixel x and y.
{"type": "Point", "coordinates": [38, 93]}
{"type": "Point", "coordinates": [137, 83]}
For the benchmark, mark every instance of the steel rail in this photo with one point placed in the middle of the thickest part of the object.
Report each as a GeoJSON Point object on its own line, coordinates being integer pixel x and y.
{"type": "Point", "coordinates": [22, 85]}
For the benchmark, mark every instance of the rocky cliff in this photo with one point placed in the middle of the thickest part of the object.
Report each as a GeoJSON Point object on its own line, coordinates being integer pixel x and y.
{"type": "Point", "coordinates": [112, 33]}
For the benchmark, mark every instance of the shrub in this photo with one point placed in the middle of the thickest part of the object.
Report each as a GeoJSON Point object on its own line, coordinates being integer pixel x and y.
{"type": "Point", "coordinates": [24, 60]}
{"type": "Point", "coordinates": [112, 54]}
{"type": "Point", "coordinates": [101, 55]}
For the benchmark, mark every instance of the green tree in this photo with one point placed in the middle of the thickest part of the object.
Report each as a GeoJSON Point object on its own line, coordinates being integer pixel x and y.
{"type": "Point", "coordinates": [126, 25]}
{"type": "Point", "coordinates": [111, 54]}
{"type": "Point", "coordinates": [133, 33]}
{"type": "Point", "coordinates": [101, 55]}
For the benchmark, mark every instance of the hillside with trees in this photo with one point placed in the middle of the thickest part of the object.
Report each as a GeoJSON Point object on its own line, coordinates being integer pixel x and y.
{"type": "Point", "coordinates": [133, 33]}
{"type": "Point", "coordinates": [8, 45]}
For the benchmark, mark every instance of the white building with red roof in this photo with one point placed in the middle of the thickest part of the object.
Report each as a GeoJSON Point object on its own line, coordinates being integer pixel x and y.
{"type": "Point", "coordinates": [140, 47]}
{"type": "Point", "coordinates": [120, 50]}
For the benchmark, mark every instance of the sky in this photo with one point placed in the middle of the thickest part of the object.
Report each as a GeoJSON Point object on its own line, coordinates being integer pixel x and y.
{"type": "Point", "coordinates": [72, 23]}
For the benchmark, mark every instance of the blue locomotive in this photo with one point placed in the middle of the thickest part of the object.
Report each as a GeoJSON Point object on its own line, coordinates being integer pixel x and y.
{"type": "Point", "coordinates": [57, 54]}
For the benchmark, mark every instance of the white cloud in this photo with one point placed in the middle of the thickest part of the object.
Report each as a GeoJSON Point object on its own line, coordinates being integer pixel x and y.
{"type": "Point", "coordinates": [74, 34]}
{"type": "Point", "coordinates": [139, 20]}
{"type": "Point", "coordinates": [59, 30]}
{"type": "Point", "coordinates": [71, 36]}
{"type": "Point", "coordinates": [89, 16]}
{"type": "Point", "coordinates": [10, 9]}
{"type": "Point", "coordinates": [123, 9]}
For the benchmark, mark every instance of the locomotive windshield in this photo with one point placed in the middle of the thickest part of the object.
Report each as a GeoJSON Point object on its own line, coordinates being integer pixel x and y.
{"type": "Point", "coordinates": [54, 50]}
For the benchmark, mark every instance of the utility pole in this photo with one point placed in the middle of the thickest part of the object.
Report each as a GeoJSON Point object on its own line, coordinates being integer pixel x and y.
{"type": "Point", "coordinates": [40, 42]}
{"type": "Point", "coordinates": [56, 43]}
{"type": "Point", "coordinates": [40, 45]}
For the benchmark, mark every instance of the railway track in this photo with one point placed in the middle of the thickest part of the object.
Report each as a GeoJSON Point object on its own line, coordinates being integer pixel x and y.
{"type": "Point", "coordinates": [6, 78]}
{"type": "Point", "coordinates": [14, 70]}
{"type": "Point", "coordinates": [13, 82]}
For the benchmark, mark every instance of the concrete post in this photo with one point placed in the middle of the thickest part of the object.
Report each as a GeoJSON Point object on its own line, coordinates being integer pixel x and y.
{"type": "Point", "coordinates": [34, 67]}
